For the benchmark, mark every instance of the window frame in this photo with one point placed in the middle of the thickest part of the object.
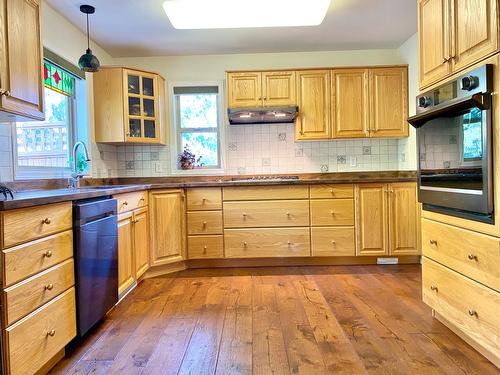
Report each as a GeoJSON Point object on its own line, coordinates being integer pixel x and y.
{"type": "Point", "coordinates": [176, 131]}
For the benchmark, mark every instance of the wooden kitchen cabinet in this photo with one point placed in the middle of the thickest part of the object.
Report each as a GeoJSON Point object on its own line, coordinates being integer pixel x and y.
{"type": "Point", "coordinates": [453, 35]}
{"type": "Point", "coordinates": [257, 89]}
{"type": "Point", "coordinates": [129, 106]}
{"type": "Point", "coordinates": [167, 210]}
{"type": "Point", "coordinates": [141, 241]}
{"type": "Point", "coordinates": [350, 103]}
{"type": "Point", "coordinates": [125, 252]}
{"type": "Point", "coordinates": [21, 81]}
{"type": "Point", "coordinates": [388, 218]}
{"type": "Point", "coordinates": [313, 99]}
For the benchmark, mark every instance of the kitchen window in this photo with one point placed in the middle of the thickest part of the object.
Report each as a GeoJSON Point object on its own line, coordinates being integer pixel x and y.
{"type": "Point", "coordinates": [42, 149]}
{"type": "Point", "coordinates": [197, 119]}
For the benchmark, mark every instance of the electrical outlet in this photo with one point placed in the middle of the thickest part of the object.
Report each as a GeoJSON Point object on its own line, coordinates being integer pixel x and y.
{"type": "Point", "coordinates": [353, 161]}
{"type": "Point", "coordinates": [157, 167]}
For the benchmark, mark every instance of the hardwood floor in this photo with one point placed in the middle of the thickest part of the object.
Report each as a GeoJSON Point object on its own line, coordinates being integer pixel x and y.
{"type": "Point", "coordinates": [294, 320]}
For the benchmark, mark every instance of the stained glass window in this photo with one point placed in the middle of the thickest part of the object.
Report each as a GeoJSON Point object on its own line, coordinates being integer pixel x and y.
{"type": "Point", "coordinates": [58, 79]}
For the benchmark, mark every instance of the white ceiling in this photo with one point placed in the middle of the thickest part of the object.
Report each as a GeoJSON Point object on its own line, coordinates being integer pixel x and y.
{"type": "Point", "coordinates": [141, 28]}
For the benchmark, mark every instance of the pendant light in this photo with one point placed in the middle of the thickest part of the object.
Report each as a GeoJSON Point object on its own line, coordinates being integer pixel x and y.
{"type": "Point", "coordinates": [88, 62]}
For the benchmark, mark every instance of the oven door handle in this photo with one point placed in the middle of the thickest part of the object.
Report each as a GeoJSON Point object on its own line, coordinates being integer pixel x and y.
{"type": "Point", "coordinates": [479, 100]}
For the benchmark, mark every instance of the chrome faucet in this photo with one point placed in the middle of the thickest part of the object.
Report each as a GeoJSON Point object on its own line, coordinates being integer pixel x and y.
{"type": "Point", "coordinates": [74, 180]}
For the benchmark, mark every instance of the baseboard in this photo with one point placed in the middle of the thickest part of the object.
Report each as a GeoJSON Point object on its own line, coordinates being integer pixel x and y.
{"type": "Point", "coordinates": [492, 357]}
{"type": "Point", "coordinates": [164, 269]}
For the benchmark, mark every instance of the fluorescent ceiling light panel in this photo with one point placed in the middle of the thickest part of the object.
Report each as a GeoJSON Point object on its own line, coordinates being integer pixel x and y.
{"type": "Point", "coordinates": [224, 14]}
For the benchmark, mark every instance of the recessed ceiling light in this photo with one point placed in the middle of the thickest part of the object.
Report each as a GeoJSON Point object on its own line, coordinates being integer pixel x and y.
{"type": "Point", "coordinates": [223, 14]}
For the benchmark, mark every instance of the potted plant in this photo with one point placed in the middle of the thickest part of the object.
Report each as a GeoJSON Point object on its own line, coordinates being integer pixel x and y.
{"type": "Point", "coordinates": [188, 160]}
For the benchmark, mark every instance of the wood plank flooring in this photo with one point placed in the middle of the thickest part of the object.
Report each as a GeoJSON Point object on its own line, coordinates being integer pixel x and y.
{"type": "Point", "coordinates": [294, 320]}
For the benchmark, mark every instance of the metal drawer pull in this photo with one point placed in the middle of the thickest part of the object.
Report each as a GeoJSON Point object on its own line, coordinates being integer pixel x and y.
{"type": "Point", "coordinates": [125, 203]}
{"type": "Point", "coordinates": [204, 224]}
{"type": "Point", "coordinates": [472, 257]}
{"type": "Point", "coordinates": [51, 333]}
{"type": "Point", "coordinates": [244, 215]}
{"type": "Point", "coordinates": [49, 286]}
{"type": "Point", "coordinates": [332, 213]}
{"type": "Point", "coordinates": [433, 242]}
{"type": "Point", "coordinates": [46, 220]}
{"type": "Point", "coordinates": [205, 249]}
{"type": "Point", "coordinates": [245, 244]}
{"type": "Point", "coordinates": [288, 242]}
{"type": "Point", "coordinates": [203, 199]}
{"type": "Point", "coordinates": [333, 242]}
{"type": "Point", "coordinates": [47, 254]}
{"type": "Point", "coordinates": [434, 288]}
{"type": "Point", "coordinates": [288, 214]}
{"type": "Point", "coordinates": [141, 200]}
{"type": "Point", "coordinates": [331, 191]}
{"type": "Point", "coordinates": [472, 312]}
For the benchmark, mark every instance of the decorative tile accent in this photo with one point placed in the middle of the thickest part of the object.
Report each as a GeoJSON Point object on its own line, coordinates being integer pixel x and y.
{"type": "Point", "coordinates": [129, 164]}
{"type": "Point", "coordinates": [299, 152]}
{"type": "Point", "coordinates": [266, 162]}
{"type": "Point", "coordinates": [324, 168]}
{"type": "Point", "coordinates": [367, 150]}
{"type": "Point", "coordinates": [341, 159]}
{"type": "Point", "coordinates": [282, 137]}
{"type": "Point", "coordinates": [232, 146]}
{"type": "Point", "coordinates": [452, 140]}
{"type": "Point", "coordinates": [446, 164]}
{"type": "Point", "coordinates": [155, 156]}
{"type": "Point", "coordinates": [241, 170]}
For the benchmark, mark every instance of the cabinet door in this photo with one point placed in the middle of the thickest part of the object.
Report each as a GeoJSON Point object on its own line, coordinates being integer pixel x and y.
{"type": "Point", "coordinates": [350, 103]}
{"type": "Point", "coordinates": [434, 40]}
{"type": "Point", "coordinates": [141, 241]}
{"type": "Point", "coordinates": [475, 31]}
{"type": "Point", "coordinates": [126, 270]}
{"type": "Point", "coordinates": [371, 217]}
{"type": "Point", "coordinates": [389, 102]}
{"type": "Point", "coordinates": [167, 226]}
{"type": "Point", "coordinates": [313, 99]}
{"type": "Point", "coordinates": [244, 89]}
{"type": "Point", "coordinates": [404, 219]}
{"type": "Point", "coordinates": [21, 58]}
{"type": "Point", "coordinates": [278, 88]}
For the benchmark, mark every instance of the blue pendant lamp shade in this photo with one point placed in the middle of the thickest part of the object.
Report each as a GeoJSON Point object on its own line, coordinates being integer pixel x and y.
{"type": "Point", "coordinates": [88, 62]}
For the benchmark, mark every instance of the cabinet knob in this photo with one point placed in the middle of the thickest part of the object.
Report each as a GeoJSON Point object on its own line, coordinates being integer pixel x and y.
{"type": "Point", "coordinates": [205, 249]}
{"type": "Point", "coordinates": [433, 242]}
{"type": "Point", "coordinates": [244, 215]}
{"type": "Point", "coordinates": [333, 242]}
{"type": "Point", "coordinates": [46, 220]}
{"type": "Point", "coordinates": [332, 213]}
{"type": "Point", "coordinates": [47, 254]}
{"type": "Point", "coordinates": [287, 213]}
{"type": "Point", "coordinates": [472, 257]}
{"type": "Point", "coordinates": [203, 200]}
{"type": "Point", "coordinates": [51, 333]}
{"type": "Point", "coordinates": [472, 312]}
{"type": "Point", "coordinates": [245, 244]}
{"type": "Point", "coordinates": [204, 224]}
{"type": "Point", "coordinates": [142, 200]}
{"type": "Point", "coordinates": [434, 288]}
{"type": "Point", "coordinates": [49, 286]}
{"type": "Point", "coordinates": [331, 191]}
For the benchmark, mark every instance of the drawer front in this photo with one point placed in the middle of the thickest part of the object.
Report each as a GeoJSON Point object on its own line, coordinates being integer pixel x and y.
{"type": "Point", "coordinates": [332, 191]}
{"type": "Point", "coordinates": [266, 214]}
{"type": "Point", "coordinates": [333, 242]}
{"type": "Point", "coordinates": [267, 243]}
{"type": "Point", "coordinates": [472, 307]}
{"type": "Point", "coordinates": [472, 254]}
{"type": "Point", "coordinates": [34, 340]}
{"type": "Point", "coordinates": [204, 199]}
{"type": "Point", "coordinates": [27, 224]}
{"type": "Point", "coordinates": [25, 297]}
{"type": "Point", "coordinates": [202, 247]}
{"type": "Point", "coordinates": [131, 201]}
{"type": "Point", "coordinates": [332, 212]}
{"type": "Point", "coordinates": [251, 193]}
{"type": "Point", "coordinates": [204, 222]}
{"type": "Point", "coordinates": [28, 259]}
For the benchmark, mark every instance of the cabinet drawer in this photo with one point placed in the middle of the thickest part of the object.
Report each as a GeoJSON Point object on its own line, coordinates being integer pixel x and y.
{"type": "Point", "coordinates": [332, 191]}
{"type": "Point", "coordinates": [25, 260]}
{"type": "Point", "coordinates": [200, 247]}
{"type": "Point", "coordinates": [472, 254]}
{"type": "Point", "coordinates": [131, 201]}
{"type": "Point", "coordinates": [204, 199]}
{"type": "Point", "coordinates": [332, 212]}
{"type": "Point", "coordinates": [204, 222]}
{"type": "Point", "coordinates": [257, 193]}
{"type": "Point", "coordinates": [27, 224]}
{"type": "Point", "coordinates": [470, 306]}
{"type": "Point", "coordinates": [32, 341]}
{"type": "Point", "coordinates": [266, 214]}
{"type": "Point", "coordinates": [333, 242]}
{"type": "Point", "coordinates": [267, 243]}
{"type": "Point", "coordinates": [28, 295]}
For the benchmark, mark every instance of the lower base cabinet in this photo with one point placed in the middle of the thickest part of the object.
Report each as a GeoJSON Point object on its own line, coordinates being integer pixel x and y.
{"type": "Point", "coordinates": [332, 241]}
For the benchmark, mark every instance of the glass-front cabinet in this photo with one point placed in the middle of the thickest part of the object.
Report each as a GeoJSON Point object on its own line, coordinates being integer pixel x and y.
{"type": "Point", "coordinates": [138, 106]}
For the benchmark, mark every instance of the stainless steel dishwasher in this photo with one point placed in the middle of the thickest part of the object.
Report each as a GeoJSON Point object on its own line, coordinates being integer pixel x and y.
{"type": "Point", "coordinates": [95, 230]}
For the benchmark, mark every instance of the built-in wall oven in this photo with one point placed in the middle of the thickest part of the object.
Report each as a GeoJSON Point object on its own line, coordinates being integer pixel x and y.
{"type": "Point", "coordinates": [454, 142]}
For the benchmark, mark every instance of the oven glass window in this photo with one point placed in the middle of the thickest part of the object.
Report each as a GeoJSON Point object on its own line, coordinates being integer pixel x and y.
{"type": "Point", "coordinates": [471, 136]}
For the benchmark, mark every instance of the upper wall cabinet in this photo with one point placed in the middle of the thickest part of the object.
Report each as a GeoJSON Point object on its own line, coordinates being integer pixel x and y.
{"type": "Point", "coordinates": [313, 94]}
{"type": "Point", "coordinates": [256, 89]}
{"type": "Point", "coordinates": [453, 35]}
{"type": "Point", "coordinates": [21, 87]}
{"type": "Point", "coordinates": [129, 106]}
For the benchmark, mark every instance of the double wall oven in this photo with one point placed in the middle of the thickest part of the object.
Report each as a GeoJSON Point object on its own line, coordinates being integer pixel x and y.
{"type": "Point", "coordinates": [454, 142]}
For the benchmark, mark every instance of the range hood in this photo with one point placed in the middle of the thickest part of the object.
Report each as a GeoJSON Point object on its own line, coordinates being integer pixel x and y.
{"type": "Point", "coordinates": [262, 115]}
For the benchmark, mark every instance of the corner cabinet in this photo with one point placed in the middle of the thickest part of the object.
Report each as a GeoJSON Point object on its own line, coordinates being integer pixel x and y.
{"type": "Point", "coordinates": [388, 217]}
{"type": "Point", "coordinates": [167, 208]}
{"type": "Point", "coordinates": [21, 81]}
{"type": "Point", "coordinates": [258, 89]}
{"type": "Point", "coordinates": [453, 35]}
{"type": "Point", "coordinates": [129, 106]}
